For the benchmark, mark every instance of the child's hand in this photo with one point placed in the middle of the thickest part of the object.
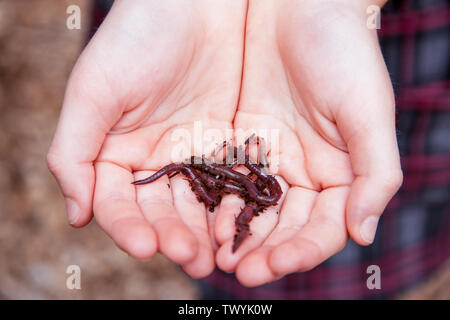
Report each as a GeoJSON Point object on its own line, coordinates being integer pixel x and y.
{"type": "Point", "coordinates": [314, 71]}
{"type": "Point", "coordinates": [152, 67]}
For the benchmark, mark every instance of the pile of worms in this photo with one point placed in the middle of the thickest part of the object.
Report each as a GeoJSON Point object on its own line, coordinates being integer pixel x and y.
{"type": "Point", "coordinates": [210, 180]}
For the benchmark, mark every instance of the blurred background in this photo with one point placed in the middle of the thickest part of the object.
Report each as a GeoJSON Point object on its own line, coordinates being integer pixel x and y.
{"type": "Point", "coordinates": [37, 52]}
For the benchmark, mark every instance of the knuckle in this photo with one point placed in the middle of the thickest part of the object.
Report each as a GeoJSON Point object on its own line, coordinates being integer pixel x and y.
{"type": "Point", "coordinates": [393, 180]}
{"type": "Point", "coordinates": [53, 162]}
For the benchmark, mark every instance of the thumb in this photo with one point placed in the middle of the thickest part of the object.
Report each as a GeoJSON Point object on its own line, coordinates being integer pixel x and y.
{"type": "Point", "coordinates": [367, 124]}
{"type": "Point", "coordinates": [80, 133]}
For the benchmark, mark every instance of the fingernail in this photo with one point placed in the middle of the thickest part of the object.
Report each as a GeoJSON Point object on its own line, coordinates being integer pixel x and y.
{"type": "Point", "coordinates": [73, 211]}
{"type": "Point", "coordinates": [368, 228]}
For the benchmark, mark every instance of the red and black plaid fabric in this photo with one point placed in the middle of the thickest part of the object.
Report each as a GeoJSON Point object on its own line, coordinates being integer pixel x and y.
{"type": "Point", "coordinates": [413, 237]}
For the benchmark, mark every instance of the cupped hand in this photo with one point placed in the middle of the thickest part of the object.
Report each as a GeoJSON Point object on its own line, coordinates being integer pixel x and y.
{"type": "Point", "coordinates": [151, 71]}
{"type": "Point", "coordinates": [314, 74]}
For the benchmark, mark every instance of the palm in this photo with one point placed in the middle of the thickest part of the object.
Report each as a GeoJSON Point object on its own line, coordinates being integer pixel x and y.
{"type": "Point", "coordinates": [159, 77]}
{"type": "Point", "coordinates": [306, 82]}
{"type": "Point", "coordinates": [156, 68]}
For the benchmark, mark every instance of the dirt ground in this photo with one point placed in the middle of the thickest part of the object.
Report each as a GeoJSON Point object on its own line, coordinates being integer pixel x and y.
{"type": "Point", "coordinates": [37, 245]}
{"type": "Point", "coordinates": [37, 52]}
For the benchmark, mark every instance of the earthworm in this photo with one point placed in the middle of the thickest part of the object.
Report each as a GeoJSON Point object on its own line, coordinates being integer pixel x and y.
{"type": "Point", "coordinates": [197, 185]}
{"type": "Point", "coordinates": [218, 184]}
{"type": "Point", "coordinates": [242, 224]}
{"type": "Point", "coordinates": [272, 184]}
{"type": "Point", "coordinates": [253, 192]}
{"type": "Point", "coordinates": [210, 180]}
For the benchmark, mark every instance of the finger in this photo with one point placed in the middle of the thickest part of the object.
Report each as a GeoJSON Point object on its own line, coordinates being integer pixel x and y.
{"type": "Point", "coordinates": [367, 124]}
{"type": "Point", "coordinates": [117, 212]}
{"type": "Point", "coordinates": [229, 208]}
{"type": "Point", "coordinates": [175, 239]}
{"type": "Point", "coordinates": [211, 218]}
{"type": "Point", "coordinates": [260, 228]}
{"type": "Point", "coordinates": [227, 211]}
{"type": "Point", "coordinates": [324, 235]}
{"type": "Point", "coordinates": [254, 269]}
{"type": "Point", "coordinates": [194, 214]}
{"type": "Point", "coordinates": [83, 124]}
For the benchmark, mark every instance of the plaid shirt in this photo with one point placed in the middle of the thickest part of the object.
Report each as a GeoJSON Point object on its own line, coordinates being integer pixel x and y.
{"type": "Point", "coordinates": [413, 237]}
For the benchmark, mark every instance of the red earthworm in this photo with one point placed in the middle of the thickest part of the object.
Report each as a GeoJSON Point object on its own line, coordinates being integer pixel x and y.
{"type": "Point", "coordinates": [218, 184]}
{"type": "Point", "coordinates": [253, 191]}
{"type": "Point", "coordinates": [273, 185]}
{"type": "Point", "coordinates": [216, 151]}
{"type": "Point", "coordinates": [197, 185]}
{"type": "Point", "coordinates": [259, 183]}
{"type": "Point", "coordinates": [274, 190]}
{"type": "Point", "coordinates": [210, 180]}
{"type": "Point", "coordinates": [242, 224]}
{"type": "Point", "coordinates": [262, 156]}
